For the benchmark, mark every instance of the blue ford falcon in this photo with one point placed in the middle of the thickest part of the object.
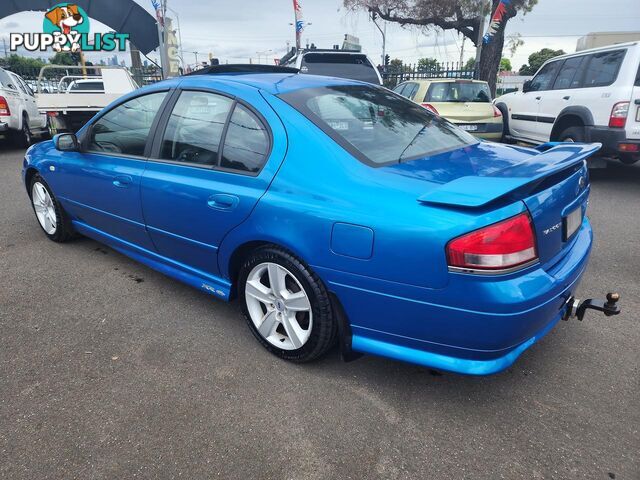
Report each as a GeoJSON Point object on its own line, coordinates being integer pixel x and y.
{"type": "Point", "coordinates": [335, 211]}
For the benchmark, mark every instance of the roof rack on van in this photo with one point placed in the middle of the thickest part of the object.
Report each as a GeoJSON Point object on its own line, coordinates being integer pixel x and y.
{"type": "Point", "coordinates": [243, 69]}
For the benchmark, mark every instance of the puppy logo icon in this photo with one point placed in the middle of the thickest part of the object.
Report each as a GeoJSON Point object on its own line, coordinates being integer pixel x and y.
{"type": "Point", "coordinates": [69, 20]}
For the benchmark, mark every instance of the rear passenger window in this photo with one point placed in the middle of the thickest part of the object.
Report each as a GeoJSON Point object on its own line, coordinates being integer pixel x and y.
{"type": "Point", "coordinates": [195, 128]}
{"type": "Point", "coordinates": [602, 69]}
{"type": "Point", "coordinates": [401, 88]}
{"type": "Point", "coordinates": [570, 73]}
{"type": "Point", "coordinates": [247, 143]}
{"type": "Point", "coordinates": [411, 90]}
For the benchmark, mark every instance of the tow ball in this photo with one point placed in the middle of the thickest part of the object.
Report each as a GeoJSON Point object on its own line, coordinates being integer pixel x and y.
{"type": "Point", "coordinates": [578, 309]}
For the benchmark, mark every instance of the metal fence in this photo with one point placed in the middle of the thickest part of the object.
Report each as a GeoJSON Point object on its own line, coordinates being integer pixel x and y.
{"type": "Point", "coordinates": [392, 75]}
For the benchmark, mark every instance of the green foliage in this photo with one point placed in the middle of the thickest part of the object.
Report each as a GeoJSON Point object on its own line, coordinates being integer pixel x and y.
{"type": "Point", "coordinates": [471, 64]}
{"type": "Point", "coordinates": [397, 66]}
{"type": "Point", "coordinates": [428, 64]}
{"type": "Point", "coordinates": [20, 64]}
{"type": "Point", "coordinates": [63, 58]}
{"type": "Point", "coordinates": [505, 65]}
{"type": "Point", "coordinates": [536, 60]}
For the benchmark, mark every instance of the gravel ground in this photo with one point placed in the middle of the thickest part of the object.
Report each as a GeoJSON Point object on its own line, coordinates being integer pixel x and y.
{"type": "Point", "coordinates": [111, 370]}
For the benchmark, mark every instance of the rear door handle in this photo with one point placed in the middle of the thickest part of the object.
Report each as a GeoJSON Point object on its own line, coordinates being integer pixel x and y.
{"type": "Point", "coordinates": [223, 201]}
{"type": "Point", "coordinates": [538, 98]}
{"type": "Point", "coordinates": [123, 181]}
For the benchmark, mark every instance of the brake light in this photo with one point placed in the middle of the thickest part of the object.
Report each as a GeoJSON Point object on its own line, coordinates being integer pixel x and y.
{"type": "Point", "coordinates": [5, 111]}
{"type": "Point", "coordinates": [500, 246]}
{"type": "Point", "coordinates": [430, 107]}
{"type": "Point", "coordinates": [496, 112]}
{"type": "Point", "coordinates": [619, 113]}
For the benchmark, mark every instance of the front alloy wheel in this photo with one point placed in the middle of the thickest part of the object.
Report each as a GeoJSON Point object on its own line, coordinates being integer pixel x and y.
{"type": "Point", "coordinates": [44, 208]}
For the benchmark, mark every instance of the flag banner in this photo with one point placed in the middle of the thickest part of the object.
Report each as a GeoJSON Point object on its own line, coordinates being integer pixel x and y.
{"type": "Point", "coordinates": [496, 20]}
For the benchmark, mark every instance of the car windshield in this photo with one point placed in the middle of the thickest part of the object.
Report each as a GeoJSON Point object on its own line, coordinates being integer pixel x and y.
{"type": "Point", "coordinates": [376, 125]}
{"type": "Point", "coordinates": [458, 92]}
{"type": "Point", "coordinates": [341, 65]}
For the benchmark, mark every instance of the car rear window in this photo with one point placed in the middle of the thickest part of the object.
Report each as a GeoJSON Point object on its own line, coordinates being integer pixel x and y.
{"type": "Point", "coordinates": [602, 69]}
{"type": "Point", "coordinates": [341, 65]}
{"type": "Point", "coordinates": [377, 126]}
{"type": "Point", "coordinates": [458, 92]}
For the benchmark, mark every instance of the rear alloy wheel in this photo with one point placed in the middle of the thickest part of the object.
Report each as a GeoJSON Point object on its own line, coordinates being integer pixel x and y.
{"type": "Point", "coordinates": [49, 213]}
{"type": "Point", "coordinates": [286, 305]}
{"type": "Point", "coordinates": [573, 135]}
{"type": "Point", "coordinates": [24, 138]}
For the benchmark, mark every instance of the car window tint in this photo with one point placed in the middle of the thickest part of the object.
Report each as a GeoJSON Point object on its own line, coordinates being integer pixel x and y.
{"type": "Point", "coordinates": [247, 143]}
{"type": "Point", "coordinates": [375, 125]}
{"type": "Point", "coordinates": [195, 128]}
{"type": "Point", "coordinates": [458, 92]}
{"type": "Point", "coordinates": [411, 90]}
{"type": "Point", "coordinates": [342, 65]}
{"type": "Point", "coordinates": [6, 81]}
{"type": "Point", "coordinates": [545, 77]}
{"type": "Point", "coordinates": [17, 82]}
{"type": "Point", "coordinates": [437, 92]}
{"type": "Point", "coordinates": [602, 69]}
{"type": "Point", "coordinates": [125, 129]}
{"type": "Point", "coordinates": [568, 76]}
{"type": "Point", "coordinates": [401, 88]}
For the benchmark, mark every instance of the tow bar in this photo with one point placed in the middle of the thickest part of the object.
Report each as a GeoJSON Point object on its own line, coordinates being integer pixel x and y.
{"type": "Point", "coordinates": [578, 309]}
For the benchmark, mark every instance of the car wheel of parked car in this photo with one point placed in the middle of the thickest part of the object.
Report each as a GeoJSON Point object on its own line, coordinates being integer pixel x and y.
{"type": "Point", "coordinates": [505, 124]}
{"type": "Point", "coordinates": [49, 212]}
{"type": "Point", "coordinates": [286, 305]}
{"type": "Point", "coordinates": [573, 134]}
{"type": "Point", "coordinates": [24, 138]}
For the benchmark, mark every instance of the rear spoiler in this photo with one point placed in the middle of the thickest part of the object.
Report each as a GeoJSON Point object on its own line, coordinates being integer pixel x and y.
{"type": "Point", "coordinates": [475, 192]}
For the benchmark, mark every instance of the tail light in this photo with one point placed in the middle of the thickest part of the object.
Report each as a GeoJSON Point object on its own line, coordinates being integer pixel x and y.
{"type": "Point", "coordinates": [619, 113]}
{"type": "Point", "coordinates": [430, 107]}
{"type": "Point", "coordinates": [496, 112]}
{"type": "Point", "coordinates": [5, 111]}
{"type": "Point", "coordinates": [500, 246]}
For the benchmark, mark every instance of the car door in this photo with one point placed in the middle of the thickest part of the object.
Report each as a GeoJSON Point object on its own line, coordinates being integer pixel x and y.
{"type": "Point", "coordinates": [524, 107]}
{"type": "Point", "coordinates": [214, 157]}
{"type": "Point", "coordinates": [100, 185]}
{"type": "Point", "coordinates": [36, 120]}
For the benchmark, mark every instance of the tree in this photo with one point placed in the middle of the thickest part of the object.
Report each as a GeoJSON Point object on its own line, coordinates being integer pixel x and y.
{"type": "Point", "coordinates": [18, 63]}
{"type": "Point", "coordinates": [505, 65]}
{"type": "Point", "coordinates": [62, 58]}
{"type": "Point", "coordinates": [536, 59]}
{"type": "Point", "coordinates": [428, 65]}
{"type": "Point", "coordinates": [460, 15]}
{"type": "Point", "coordinates": [397, 66]}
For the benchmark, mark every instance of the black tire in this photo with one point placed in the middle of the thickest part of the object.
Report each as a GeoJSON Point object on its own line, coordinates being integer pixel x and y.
{"type": "Point", "coordinates": [572, 134]}
{"type": "Point", "coordinates": [505, 124]}
{"type": "Point", "coordinates": [24, 137]}
{"type": "Point", "coordinates": [64, 230]}
{"type": "Point", "coordinates": [324, 326]}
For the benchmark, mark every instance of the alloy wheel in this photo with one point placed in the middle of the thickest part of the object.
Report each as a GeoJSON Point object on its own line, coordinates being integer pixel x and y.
{"type": "Point", "coordinates": [278, 306]}
{"type": "Point", "coordinates": [44, 208]}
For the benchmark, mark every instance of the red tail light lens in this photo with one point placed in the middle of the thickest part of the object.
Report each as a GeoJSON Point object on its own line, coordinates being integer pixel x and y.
{"type": "Point", "coordinates": [500, 246]}
{"type": "Point", "coordinates": [5, 111]}
{"type": "Point", "coordinates": [430, 107]}
{"type": "Point", "coordinates": [619, 114]}
{"type": "Point", "coordinates": [496, 112]}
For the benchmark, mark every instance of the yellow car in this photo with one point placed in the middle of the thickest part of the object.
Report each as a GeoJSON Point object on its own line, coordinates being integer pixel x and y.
{"type": "Point", "coordinates": [466, 103]}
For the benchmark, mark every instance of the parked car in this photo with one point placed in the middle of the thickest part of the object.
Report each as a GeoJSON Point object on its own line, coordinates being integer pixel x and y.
{"type": "Point", "coordinates": [19, 115]}
{"type": "Point", "coordinates": [336, 63]}
{"type": "Point", "coordinates": [332, 209]}
{"type": "Point", "coordinates": [589, 96]}
{"type": "Point", "coordinates": [466, 103]}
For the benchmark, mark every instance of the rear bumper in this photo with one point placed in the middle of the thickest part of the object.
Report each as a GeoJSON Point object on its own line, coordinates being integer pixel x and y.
{"type": "Point", "coordinates": [477, 325]}
{"type": "Point", "coordinates": [610, 138]}
{"type": "Point", "coordinates": [4, 128]}
{"type": "Point", "coordinates": [488, 131]}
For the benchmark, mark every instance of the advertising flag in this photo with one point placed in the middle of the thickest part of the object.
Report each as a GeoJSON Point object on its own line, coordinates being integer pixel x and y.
{"type": "Point", "coordinates": [496, 20]}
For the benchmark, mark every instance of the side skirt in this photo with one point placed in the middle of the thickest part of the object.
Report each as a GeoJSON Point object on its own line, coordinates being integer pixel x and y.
{"type": "Point", "coordinates": [215, 286]}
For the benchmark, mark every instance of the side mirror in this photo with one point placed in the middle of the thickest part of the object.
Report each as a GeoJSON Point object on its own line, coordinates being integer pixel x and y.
{"type": "Point", "coordinates": [526, 87]}
{"type": "Point", "coordinates": [66, 142]}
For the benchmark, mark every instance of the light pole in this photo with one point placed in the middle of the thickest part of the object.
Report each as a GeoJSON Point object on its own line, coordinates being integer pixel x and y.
{"type": "Point", "coordinates": [383, 32]}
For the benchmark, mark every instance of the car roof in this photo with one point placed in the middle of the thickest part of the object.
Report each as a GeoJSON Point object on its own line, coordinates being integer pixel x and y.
{"type": "Point", "coordinates": [274, 83]}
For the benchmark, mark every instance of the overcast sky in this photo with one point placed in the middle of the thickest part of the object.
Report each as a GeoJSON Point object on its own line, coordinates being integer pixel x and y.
{"type": "Point", "coordinates": [236, 31]}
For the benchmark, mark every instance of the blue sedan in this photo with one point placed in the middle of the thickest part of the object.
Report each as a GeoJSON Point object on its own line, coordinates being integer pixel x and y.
{"type": "Point", "coordinates": [334, 210]}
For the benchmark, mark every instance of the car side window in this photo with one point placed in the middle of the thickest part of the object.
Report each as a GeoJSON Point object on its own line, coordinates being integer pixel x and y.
{"type": "Point", "coordinates": [545, 77]}
{"type": "Point", "coordinates": [412, 89]}
{"type": "Point", "coordinates": [125, 129]}
{"type": "Point", "coordinates": [400, 88]}
{"type": "Point", "coordinates": [6, 81]}
{"type": "Point", "coordinates": [569, 76]}
{"type": "Point", "coordinates": [246, 144]}
{"type": "Point", "coordinates": [195, 128]}
{"type": "Point", "coordinates": [602, 69]}
{"type": "Point", "coordinates": [19, 83]}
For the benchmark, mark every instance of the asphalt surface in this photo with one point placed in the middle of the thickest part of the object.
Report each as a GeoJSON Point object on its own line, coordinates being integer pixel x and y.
{"type": "Point", "coordinates": [111, 370]}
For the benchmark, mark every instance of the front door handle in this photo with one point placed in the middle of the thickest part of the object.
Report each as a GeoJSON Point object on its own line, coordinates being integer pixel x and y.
{"type": "Point", "coordinates": [566, 98]}
{"type": "Point", "coordinates": [223, 201]}
{"type": "Point", "coordinates": [123, 181]}
{"type": "Point", "coordinates": [538, 98]}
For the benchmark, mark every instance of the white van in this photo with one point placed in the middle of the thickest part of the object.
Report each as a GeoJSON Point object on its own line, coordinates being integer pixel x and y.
{"type": "Point", "coordinates": [19, 114]}
{"type": "Point", "coordinates": [588, 96]}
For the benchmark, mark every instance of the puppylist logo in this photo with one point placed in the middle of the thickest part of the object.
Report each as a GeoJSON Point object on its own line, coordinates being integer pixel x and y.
{"type": "Point", "coordinates": [66, 29]}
